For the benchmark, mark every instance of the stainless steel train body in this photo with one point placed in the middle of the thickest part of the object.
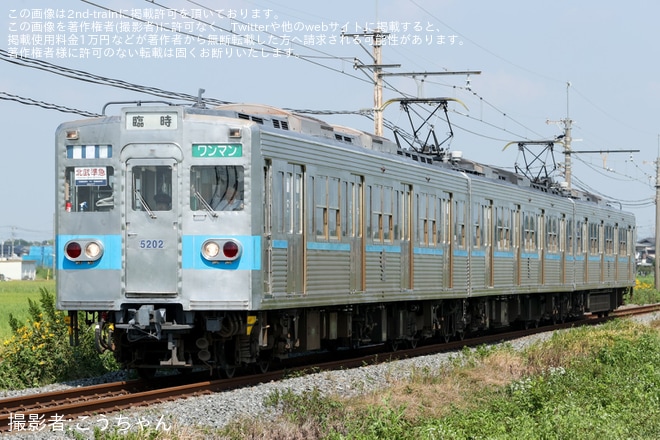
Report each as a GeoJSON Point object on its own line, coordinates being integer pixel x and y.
{"type": "Point", "coordinates": [335, 238]}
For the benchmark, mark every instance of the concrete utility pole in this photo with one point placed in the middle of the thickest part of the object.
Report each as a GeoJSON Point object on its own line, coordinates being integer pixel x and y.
{"type": "Point", "coordinates": [377, 37]}
{"type": "Point", "coordinates": [656, 262]}
{"type": "Point", "coordinates": [567, 123]}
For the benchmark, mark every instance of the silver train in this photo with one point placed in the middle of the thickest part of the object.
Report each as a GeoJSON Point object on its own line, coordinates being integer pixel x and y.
{"type": "Point", "coordinates": [230, 236]}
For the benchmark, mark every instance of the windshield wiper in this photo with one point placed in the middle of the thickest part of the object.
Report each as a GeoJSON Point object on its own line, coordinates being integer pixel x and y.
{"type": "Point", "coordinates": [144, 203]}
{"type": "Point", "coordinates": [205, 204]}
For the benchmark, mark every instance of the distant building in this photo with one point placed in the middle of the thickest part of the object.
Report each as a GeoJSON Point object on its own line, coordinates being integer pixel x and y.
{"type": "Point", "coordinates": [17, 269]}
{"type": "Point", "coordinates": [645, 252]}
{"type": "Point", "coordinates": [41, 255]}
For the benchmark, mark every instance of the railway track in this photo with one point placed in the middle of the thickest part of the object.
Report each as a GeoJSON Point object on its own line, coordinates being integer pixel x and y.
{"type": "Point", "coordinates": [32, 412]}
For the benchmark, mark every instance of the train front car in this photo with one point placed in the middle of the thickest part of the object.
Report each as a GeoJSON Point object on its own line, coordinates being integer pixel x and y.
{"type": "Point", "coordinates": [154, 237]}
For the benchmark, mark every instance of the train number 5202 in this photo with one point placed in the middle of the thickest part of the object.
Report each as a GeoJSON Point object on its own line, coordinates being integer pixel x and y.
{"type": "Point", "coordinates": [151, 244]}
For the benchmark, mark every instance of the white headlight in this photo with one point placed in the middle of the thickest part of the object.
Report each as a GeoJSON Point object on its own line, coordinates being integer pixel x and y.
{"type": "Point", "coordinates": [210, 249]}
{"type": "Point", "coordinates": [92, 250]}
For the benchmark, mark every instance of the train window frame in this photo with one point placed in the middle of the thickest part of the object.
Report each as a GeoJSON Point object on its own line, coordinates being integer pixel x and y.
{"type": "Point", "coordinates": [422, 219]}
{"type": "Point", "coordinates": [459, 220]}
{"type": "Point", "coordinates": [151, 186]}
{"type": "Point", "coordinates": [552, 234]}
{"type": "Point", "coordinates": [530, 228]}
{"type": "Point", "coordinates": [327, 202]}
{"type": "Point", "coordinates": [579, 231]}
{"type": "Point", "coordinates": [477, 223]}
{"type": "Point", "coordinates": [503, 227]}
{"type": "Point", "coordinates": [89, 195]}
{"type": "Point", "coordinates": [381, 201]}
{"type": "Point", "coordinates": [594, 236]}
{"type": "Point", "coordinates": [570, 236]}
{"type": "Point", "coordinates": [608, 239]}
{"type": "Point", "coordinates": [623, 241]}
{"type": "Point", "coordinates": [212, 183]}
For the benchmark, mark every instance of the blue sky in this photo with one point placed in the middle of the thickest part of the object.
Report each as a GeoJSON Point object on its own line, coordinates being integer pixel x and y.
{"type": "Point", "coordinates": [527, 52]}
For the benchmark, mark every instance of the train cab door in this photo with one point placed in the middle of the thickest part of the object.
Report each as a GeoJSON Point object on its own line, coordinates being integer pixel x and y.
{"type": "Point", "coordinates": [152, 232]}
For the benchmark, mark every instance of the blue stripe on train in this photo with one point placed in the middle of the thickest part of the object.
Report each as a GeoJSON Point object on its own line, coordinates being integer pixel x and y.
{"type": "Point", "coordinates": [192, 255]}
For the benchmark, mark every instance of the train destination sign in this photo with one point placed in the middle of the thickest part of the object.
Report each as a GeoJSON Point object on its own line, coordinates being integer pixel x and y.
{"type": "Point", "coordinates": [217, 150]}
{"type": "Point", "coordinates": [91, 176]}
{"type": "Point", "coordinates": [151, 121]}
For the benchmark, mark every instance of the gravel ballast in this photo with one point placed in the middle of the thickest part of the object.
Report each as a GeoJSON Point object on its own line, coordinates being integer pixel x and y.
{"type": "Point", "coordinates": [216, 410]}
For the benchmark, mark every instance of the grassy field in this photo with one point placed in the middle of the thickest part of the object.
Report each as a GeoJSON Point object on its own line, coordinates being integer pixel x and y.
{"type": "Point", "coordinates": [14, 299]}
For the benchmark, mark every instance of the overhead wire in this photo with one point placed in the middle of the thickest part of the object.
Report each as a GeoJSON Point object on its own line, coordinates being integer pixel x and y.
{"type": "Point", "coordinates": [46, 105]}
{"type": "Point", "coordinates": [85, 76]}
{"type": "Point", "coordinates": [97, 79]}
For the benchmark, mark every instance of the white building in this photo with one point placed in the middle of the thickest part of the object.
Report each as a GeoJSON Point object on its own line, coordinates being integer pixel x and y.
{"type": "Point", "coordinates": [17, 269]}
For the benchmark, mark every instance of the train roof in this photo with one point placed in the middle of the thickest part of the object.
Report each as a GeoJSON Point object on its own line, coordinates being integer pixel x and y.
{"type": "Point", "coordinates": [286, 120]}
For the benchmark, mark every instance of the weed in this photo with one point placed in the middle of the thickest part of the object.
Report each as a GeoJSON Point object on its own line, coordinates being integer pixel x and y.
{"type": "Point", "coordinates": [39, 353]}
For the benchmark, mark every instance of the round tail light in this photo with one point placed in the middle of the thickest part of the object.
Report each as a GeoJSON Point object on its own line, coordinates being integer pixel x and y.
{"type": "Point", "coordinates": [73, 250]}
{"type": "Point", "coordinates": [230, 249]}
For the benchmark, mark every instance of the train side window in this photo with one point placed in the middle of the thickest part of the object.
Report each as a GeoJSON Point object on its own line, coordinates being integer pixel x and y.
{"type": "Point", "coordinates": [89, 189]}
{"type": "Point", "coordinates": [594, 246]}
{"type": "Point", "coordinates": [220, 187]}
{"type": "Point", "coordinates": [503, 228]}
{"type": "Point", "coordinates": [609, 240]}
{"type": "Point", "coordinates": [623, 245]}
{"type": "Point", "coordinates": [459, 224]}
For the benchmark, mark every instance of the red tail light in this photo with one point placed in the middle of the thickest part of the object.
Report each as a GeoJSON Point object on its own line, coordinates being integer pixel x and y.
{"type": "Point", "coordinates": [230, 249]}
{"type": "Point", "coordinates": [73, 250]}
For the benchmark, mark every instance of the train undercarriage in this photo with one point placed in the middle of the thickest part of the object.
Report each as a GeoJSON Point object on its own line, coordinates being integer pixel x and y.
{"type": "Point", "coordinates": [150, 337]}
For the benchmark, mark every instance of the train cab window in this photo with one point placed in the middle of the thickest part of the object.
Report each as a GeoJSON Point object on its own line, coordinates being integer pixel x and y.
{"type": "Point", "coordinates": [89, 189]}
{"type": "Point", "coordinates": [219, 188]}
{"type": "Point", "coordinates": [152, 188]}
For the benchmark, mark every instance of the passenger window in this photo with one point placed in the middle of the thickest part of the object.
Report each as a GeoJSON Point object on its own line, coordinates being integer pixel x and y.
{"type": "Point", "coordinates": [89, 189]}
{"type": "Point", "coordinates": [219, 188]}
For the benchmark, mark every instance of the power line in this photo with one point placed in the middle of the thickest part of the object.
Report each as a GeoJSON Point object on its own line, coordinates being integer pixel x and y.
{"type": "Point", "coordinates": [46, 105]}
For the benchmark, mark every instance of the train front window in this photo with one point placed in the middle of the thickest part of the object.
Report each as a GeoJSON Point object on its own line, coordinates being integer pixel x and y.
{"type": "Point", "coordinates": [152, 188]}
{"type": "Point", "coordinates": [89, 189]}
{"type": "Point", "coordinates": [219, 188]}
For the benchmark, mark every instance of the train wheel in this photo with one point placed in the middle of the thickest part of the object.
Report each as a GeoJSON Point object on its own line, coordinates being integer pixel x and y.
{"type": "Point", "coordinates": [394, 345]}
{"type": "Point", "coordinates": [413, 342]}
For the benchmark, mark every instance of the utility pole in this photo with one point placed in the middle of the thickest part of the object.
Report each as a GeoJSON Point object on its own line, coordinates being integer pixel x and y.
{"type": "Point", "coordinates": [567, 123]}
{"type": "Point", "coordinates": [377, 37]}
{"type": "Point", "coordinates": [656, 261]}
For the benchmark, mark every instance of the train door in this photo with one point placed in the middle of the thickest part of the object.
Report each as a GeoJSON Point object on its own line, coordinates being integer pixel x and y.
{"type": "Point", "coordinates": [152, 230]}
{"type": "Point", "coordinates": [296, 251]}
{"type": "Point", "coordinates": [354, 229]}
{"type": "Point", "coordinates": [488, 243]}
{"type": "Point", "coordinates": [286, 245]}
{"type": "Point", "coordinates": [517, 243]}
{"type": "Point", "coordinates": [402, 228]}
{"type": "Point", "coordinates": [562, 249]}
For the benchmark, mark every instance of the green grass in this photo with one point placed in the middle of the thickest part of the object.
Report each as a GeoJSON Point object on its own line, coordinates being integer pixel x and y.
{"type": "Point", "coordinates": [593, 382]}
{"type": "Point", "coordinates": [14, 300]}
